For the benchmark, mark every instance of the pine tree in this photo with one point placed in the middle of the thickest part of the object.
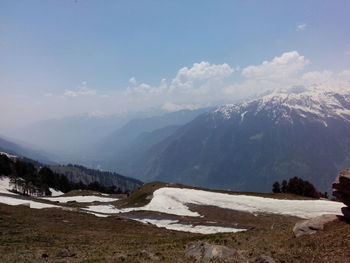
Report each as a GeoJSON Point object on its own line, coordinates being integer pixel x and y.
{"type": "Point", "coordinates": [284, 186]}
{"type": "Point", "coordinates": [276, 187]}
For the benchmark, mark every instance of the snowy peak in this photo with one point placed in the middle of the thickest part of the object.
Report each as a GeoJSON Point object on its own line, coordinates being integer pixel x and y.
{"type": "Point", "coordinates": [284, 105]}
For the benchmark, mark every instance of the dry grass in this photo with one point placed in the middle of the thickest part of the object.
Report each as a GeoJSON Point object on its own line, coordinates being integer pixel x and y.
{"type": "Point", "coordinates": [54, 235]}
{"type": "Point", "coordinates": [28, 234]}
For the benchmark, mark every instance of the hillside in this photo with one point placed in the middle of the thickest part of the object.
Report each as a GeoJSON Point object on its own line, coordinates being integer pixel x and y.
{"type": "Point", "coordinates": [299, 132]}
{"type": "Point", "coordinates": [78, 173]}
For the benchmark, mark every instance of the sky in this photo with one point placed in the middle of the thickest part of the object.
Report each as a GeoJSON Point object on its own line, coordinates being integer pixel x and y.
{"type": "Point", "coordinates": [65, 57]}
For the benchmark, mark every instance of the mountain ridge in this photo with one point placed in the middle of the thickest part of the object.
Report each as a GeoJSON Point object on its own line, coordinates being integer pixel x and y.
{"type": "Point", "coordinates": [277, 136]}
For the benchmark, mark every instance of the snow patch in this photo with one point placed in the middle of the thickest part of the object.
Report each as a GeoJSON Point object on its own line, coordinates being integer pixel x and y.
{"type": "Point", "coordinates": [242, 115]}
{"type": "Point", "coordinates": [17, 201]}
{"type": "Point", "coordinates": [80, 199]}
{"type": "Point", "coordinates": [106, 209]}
{"type": "Point", "coordinates": [5, 185]}
{"type": "Point", "coordinates": [11, 156]}
{"type": "Point", "coordinates": [175, 201]}
{"type": "Point", "coordinates": [55, 192]}
{"type": "Point", "coordinates": [200, 229]}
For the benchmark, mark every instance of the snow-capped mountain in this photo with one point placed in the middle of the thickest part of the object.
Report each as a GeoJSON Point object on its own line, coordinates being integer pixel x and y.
{"type": "Point", "coordinates": [282, 105]}
{"type": "Point", "coordinates": [294, 132]}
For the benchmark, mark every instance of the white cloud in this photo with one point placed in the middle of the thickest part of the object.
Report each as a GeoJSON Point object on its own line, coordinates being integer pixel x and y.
{"type": "Point", "coordinates": [199, 76]}
{"type": "Point", "coordinates": [186, 78]}
{"type": "Point", "coordinates": [283, 67]}
{"type": "Point", "coordinates": [301, 27]}
{"type": "Point", "coordinates": [347, 52]}
{"type": "Point", "coordinates": [133, 80]}
{"type": "Point", "coordinates": [317, 77]}
{"type": "Point", "coordinates": [345, 75]}
{"type": "Point", "coordinates": [82, 90]}
{"type": "Point", "coordinates": [97, 114]}
{"type": "Point", "coordinates": [168, 106]}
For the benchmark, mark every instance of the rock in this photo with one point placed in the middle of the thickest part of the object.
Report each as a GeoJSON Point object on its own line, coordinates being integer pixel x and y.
{"type": "Point", "coordinates": [44, 255]}
{"type": "Point", "coordinates": [312, 225]}
{"type": "Point", "coordinates": [205, 252]}
{"type": "Point", "coordinates": [263, 259]}
{"type": "Point", "coordinates": [346, 212]}
{"type": "Point", "coordinates": [341, 187]}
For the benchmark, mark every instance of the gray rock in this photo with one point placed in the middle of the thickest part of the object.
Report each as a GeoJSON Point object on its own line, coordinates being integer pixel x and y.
{"type": "Point", "coordinates": [341, 187]}
{"type": "Point", "coordinates": [346, 212]}
{"type": "Point", "coordinates": [311, 226]}
{"type": "Point", "coordinates": [205, 252]}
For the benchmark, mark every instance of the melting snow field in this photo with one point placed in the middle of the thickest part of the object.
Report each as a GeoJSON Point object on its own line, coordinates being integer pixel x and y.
{"type": "Point", "coordinates": [200, 229]}
{"type": "Point", "coordinates": [175, 201]}
{"type": "Point", "coordinates": [81, 199]}
{"type": "Point", "coordinates": [17, 201]}
{"type": "Point", "coordinates": [14, 198]}
{"type": "Point", "coordinates": [5, 185]}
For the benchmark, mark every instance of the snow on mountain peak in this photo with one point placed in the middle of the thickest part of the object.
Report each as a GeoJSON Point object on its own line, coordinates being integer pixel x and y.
{"type": "Point", "coordinates": [315, 102]}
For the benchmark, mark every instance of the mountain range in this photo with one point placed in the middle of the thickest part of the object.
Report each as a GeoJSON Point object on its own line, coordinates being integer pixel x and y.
{"type": "Point", "coordinates": [247, 146]}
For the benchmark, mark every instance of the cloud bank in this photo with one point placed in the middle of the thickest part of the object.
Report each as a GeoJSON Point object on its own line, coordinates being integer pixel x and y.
{"type": "Point", "coordinates": [199, 85]}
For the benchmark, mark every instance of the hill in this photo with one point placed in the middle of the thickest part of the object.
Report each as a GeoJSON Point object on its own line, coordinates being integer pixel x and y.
{"type": "Point", "coordinates": [78, 173]}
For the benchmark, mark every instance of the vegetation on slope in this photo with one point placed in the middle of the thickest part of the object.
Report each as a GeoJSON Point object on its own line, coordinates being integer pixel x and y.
{"type": "Point", "coordinates": [30, 180]}
{"type": "Point", "coordinates": [78, 173]}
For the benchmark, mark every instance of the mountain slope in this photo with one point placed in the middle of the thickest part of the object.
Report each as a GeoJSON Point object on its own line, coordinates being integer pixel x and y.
{"type": "Point", "coordinates": [8, 146]}
{"type": "Point", "coordinates": [70, 136]}
{"type": "Point", "coordinates": [250, 145]}
{"type": "Point", "coordinates": [128, 158]}
{"type": "Point", "coordinates": [120, 150]}
{"type": "Point", "coordinates": [120, 138]}
{"type": "Point", "coordinates": [77, 173]}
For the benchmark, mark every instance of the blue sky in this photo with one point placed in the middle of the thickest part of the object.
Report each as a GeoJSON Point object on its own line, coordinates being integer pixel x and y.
{"type": "Point", "coordinates": [63, 57]}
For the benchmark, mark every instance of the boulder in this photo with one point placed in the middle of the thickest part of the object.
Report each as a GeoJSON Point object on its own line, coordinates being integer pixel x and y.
{"type": "Point", "coordinates": [346, 212]}
{"type": "Point", "coordinates": [205, 252]}
{"type": "Point", "coordinates": [311, 226]}
{"type": "Point", "coordinates": [341, 187]}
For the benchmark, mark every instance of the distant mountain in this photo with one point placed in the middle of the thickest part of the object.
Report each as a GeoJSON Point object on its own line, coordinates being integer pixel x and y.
{"type": "Point", "coordinates": [247, 146]}
{"type": "Point", "coordinates": [127, 159]}
{"type": "Point", "coordinates": [78, 173]}
{"type": "Point", "coordinates": [10, 147]}
{"type": "Point", "coordinates": [71, 136]}
{"type": "Point", "coordinates": [135, 127]}
{"type": "Point", "coordinates": [121, 148]}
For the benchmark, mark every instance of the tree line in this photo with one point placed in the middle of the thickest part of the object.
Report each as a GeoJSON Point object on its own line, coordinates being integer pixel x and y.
{"type": "Point", "coordinates": [27, 179]}
{"type": "Point", "coordinates": [297, 186]}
